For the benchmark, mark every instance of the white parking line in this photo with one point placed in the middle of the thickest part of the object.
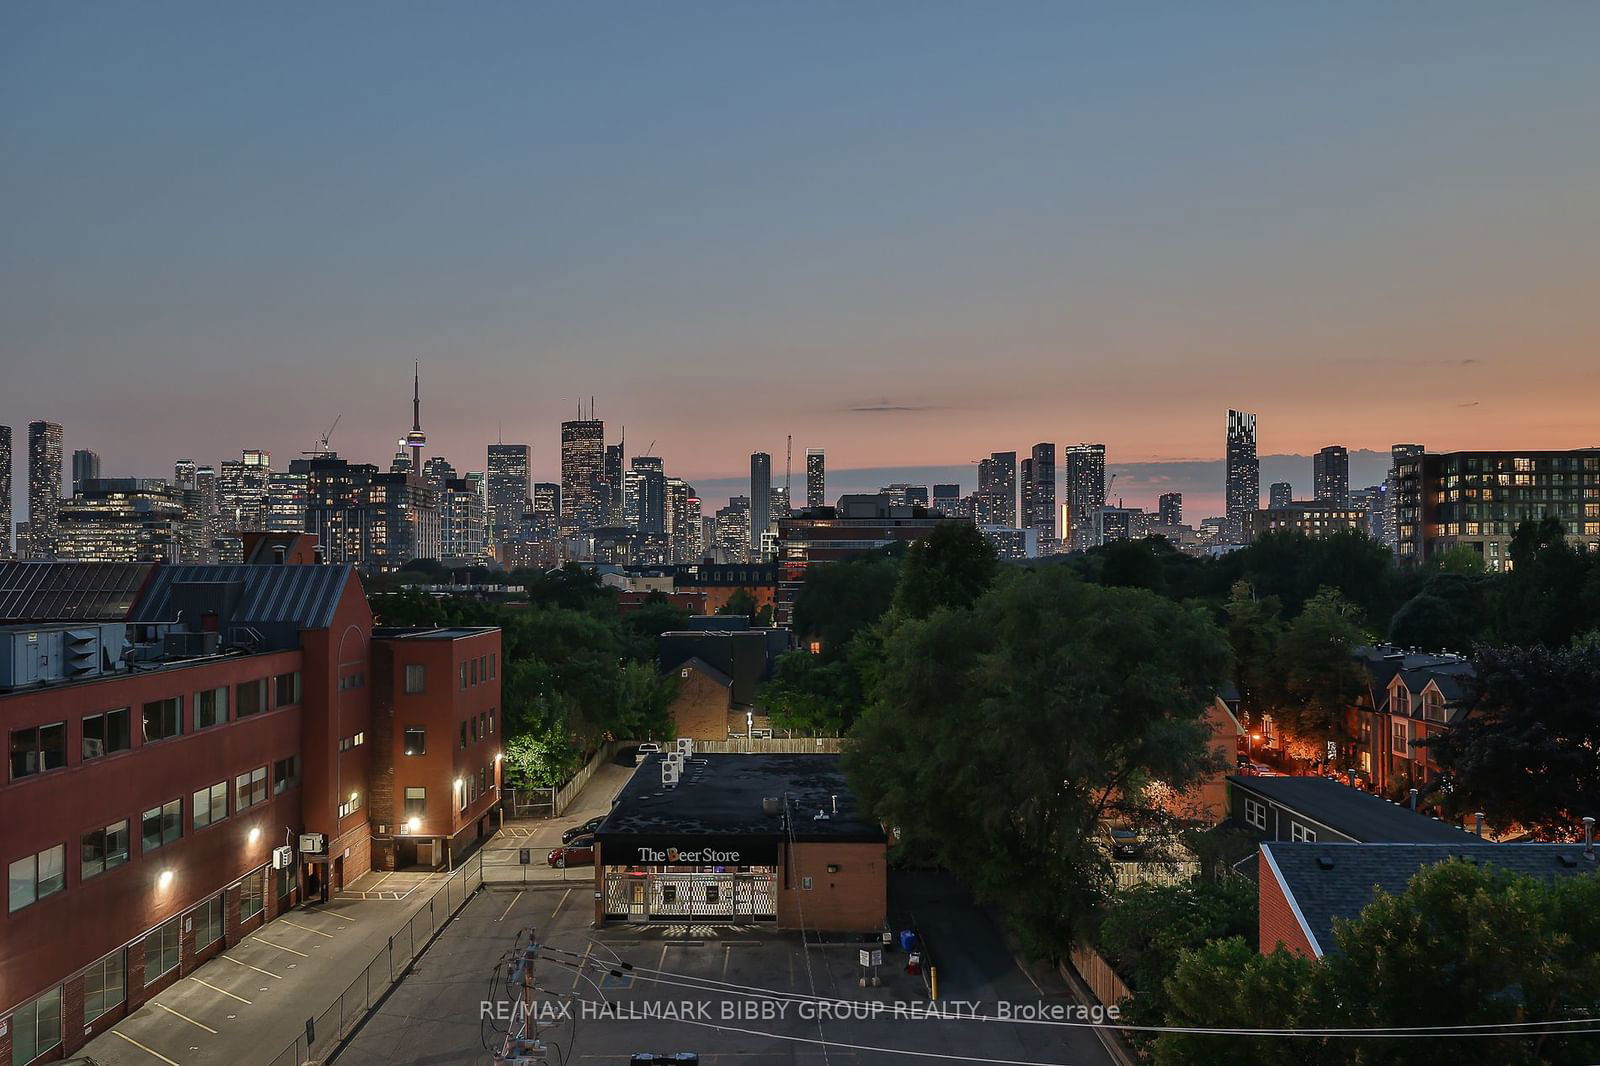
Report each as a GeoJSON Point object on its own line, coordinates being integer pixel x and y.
{"type": "Point", "coordinates": [559, 902]}
{"type": "Point", "coordinates": [141, 1047]}
{"type": "Point", "coordinates": [507, 911]}
{"type": "Point", "coordinates": [280, 947]}
{"type": "Point", "coordinates": [224, 991]}
{"type": "Point", "coordinates": [246, 965]}
{"type": "Point", "coordinates": [185, 1017]}
{"type": "Point", "coordinates": [307, 928]}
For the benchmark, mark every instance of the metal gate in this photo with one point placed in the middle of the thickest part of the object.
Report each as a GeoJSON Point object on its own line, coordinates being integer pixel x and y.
{"type": "Point", "coordinates": [680, 897]}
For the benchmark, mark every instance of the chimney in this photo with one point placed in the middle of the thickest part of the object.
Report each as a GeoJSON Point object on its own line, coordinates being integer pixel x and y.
{"type": "Point", "coordinates": [1477, 822]}
{"type": "Point", "coordinates": [279, 553]}
{"type": "Point", "coordinates": [1413, 801]}
{"type": "Point", "coordinates": [1588, 837]}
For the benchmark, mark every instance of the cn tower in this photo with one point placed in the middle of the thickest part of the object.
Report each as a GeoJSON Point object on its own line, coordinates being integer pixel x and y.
{"type": "Point", "coordinates": [416, 439]}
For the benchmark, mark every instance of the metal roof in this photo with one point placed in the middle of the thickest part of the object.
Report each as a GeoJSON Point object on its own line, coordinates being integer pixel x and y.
{"type": "Point", "coordinates": [304, 597]}
{"type": "Point", "coordinates": [70, 592]}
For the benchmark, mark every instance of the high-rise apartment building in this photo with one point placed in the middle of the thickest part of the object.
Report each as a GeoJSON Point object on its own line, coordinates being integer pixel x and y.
{"type": "Point", "coordinates": [816, 478]}
{"type": "Point", "coordinates": [616, 490]}
{"type": "Point", "coordinates": [205, 483]}
{"type": "Point", "coordinates": [1169, 509]}
{"type": "Point", "coordinates": [1086, 496]}
{"type": "Point", "coordinates": [1478, 499]}
{"type": "Point", "coordinates": [946, 500]}
{"type": "Point", "coordinates": [760, 502]}
{"type": "Point", "coordinates": [5, 492]}
{"type": "Point", "coordinates": [1331, 476]}
{"type": "Point", "coordinates": [1038, 477]}
{"type": "Point", "coordinates": [731, 538]}
{"type": "Point", "coordinates": [1280, 494]}
{"type": "Point", "coordinates": [337, 511]}
{"type": "Point", "coordinates": [1400, 455]}
{"type": "Point", "coordinates": [85, 467]}
{"type": "Point", "coordinates": [509, 469]}
{"type": "Point", "coordinates": [1243, 485]}
{"type": "Point", "coordinates": [463, 521]}
{"type": "Point", "coordinates": [546, 510]}
{"type": "Point", "coordinates": [644, 501]}
{"type": "Point", "coordinates": [44, 487]}
{"type": "Point", "coordinates": [183, 474]}
{"type": "Point", "coordinates": [585, 495]}
{"type": "Point", "coordinates": [997, 489]}
{"type": "Point", "coordinates": [288, 501]}
{"type": "Point", "coordinates": [128, 520]}
{"type": "Point", "coordinates": [405, 521]}
{"type": "Point", "coordinates": [436, 470]}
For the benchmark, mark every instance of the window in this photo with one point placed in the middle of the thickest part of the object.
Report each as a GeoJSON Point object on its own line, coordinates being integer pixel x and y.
{"type": "Point", "coordinates": [1402, 738]}
{"type": "Point", "coordinates": [473, 670]}
{"type": "Point", "coordinates": [1255, 813]}
{"type": "Point", "coordinates": [350, 806]}
{"type": "Point", "coordinates": [34, 877]}
{"type": "Point", "coordinates": [160, 826]}
{"type": "Point", "coordinates": [416, 678]}
{"type": "Point", "coordinates": [36, 750]}
{"type": "Point", "coordinates": [462, 788]}
{"type": "Point", "coordinates": [100, 850]}
{"type": "Point", "coordinates": [1432, 706]}
{"type": "Point", "coordinates": [210, 805]}
{"type": "Point", "coordinates": [210, 707]}
{"type": "Point", "coordinates": [208, 923]}
{"type": "Point", "coordinates": [288, 686]}
{"type": "Point", "coordinates": [358, 740]}
{"type": "Point", "coordinates": [416, 740]}
{"type": "Point", "coordinates": [712, 894]}
{"type": "Point", "coordinates": [251, 697]}
{"type": "Point", "coordinates": [163, 719]}
{"type": "Point", "coordinates": [250, 897]}
{"type": "Point", "coordinates": [250, 788]}
{"type": "Point", "coordinates": [463, 675]}
{"type": "Point", "coordinates": [669, 893]}
{"type": "Point", "coordinates": [474, 730]}
{"type": "Point", "coordinates": [1400, 699]}
{"type": "Point", "coordinates": [489, 716]}
{"type": "Point", "coordinates": [105, 984]}
{"type": "Point", "coordinates": [36, 1027]}
{"type": "Point", "coordinates": [1298, 832]}
{"type": "Point", "coordinates": [492, 665]}
{"type": "Point", "coordinates": [463, 734]}
{"type": "Point", "coordinates": [161, 951]}
{"type": "Point", "coordinates": [416, 802]}
{"type": "Point", "coordinates": [285, 774]}
{"type": "Point", "coordinates": [105, 733]}
{"type": "Point", "coordinates": [284, 878]}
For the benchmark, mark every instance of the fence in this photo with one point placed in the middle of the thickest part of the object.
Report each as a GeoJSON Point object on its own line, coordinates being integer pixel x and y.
{"type": "Point", "coordinates": [773, 745]}
{"type": "Point", "coordinates": [551, 802]}
{"type": "Point", "coordinates": [323, 1033]}
{"type": "Point", "coordinates": [1102, 980]}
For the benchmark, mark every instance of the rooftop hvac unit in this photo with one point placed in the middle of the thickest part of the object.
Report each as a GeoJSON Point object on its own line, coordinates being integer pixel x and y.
{"type": "Point", "coordinates": [669, 774]}
{"type": "Point", "coordinates": [182, 645]}
{"type": "Point", "coordinates": [771, 805]}
{"type": "Point", "coordinates": [685, 746]}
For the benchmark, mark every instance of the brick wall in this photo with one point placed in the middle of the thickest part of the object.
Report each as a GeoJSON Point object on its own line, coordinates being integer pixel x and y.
{"type": "Point", "coordinates": [701, 708]}
{"type": "Point", "coordinates": [1277, 923]}
{"type": "Point", "coordinates": [854, 898]}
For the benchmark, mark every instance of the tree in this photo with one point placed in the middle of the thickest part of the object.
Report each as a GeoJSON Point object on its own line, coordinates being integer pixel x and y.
{"type": "Point", "coordinates": [811, 696]}
{"type": "Point", "coordinates": [1449, 614]}
{"type": "Point", "coordinates": [1527, 752]}
{"type": "Point", "coordinates": [838, 600]}
{"type": "Point", "coordinates": [1553, 590]}
{"type": "Point", "coordinates": [1321, 680]}
{"type": "Point", "coordinates": [1132, 564]}
{"type": "Point", "coordinates": [1463, 943]}
{"type": "Point", "coordinates": [1254, 630]}
{"type": "Point", "coordinates": [950, 567]}
{"type": "Point", "coordinates": [999, 734]}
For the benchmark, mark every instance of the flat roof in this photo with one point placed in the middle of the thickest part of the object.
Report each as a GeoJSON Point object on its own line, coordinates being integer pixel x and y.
{"type": "Point", "coordinates": [722, 794]}
{"type": "Point", "coordinates": [431, 633]}
{"type": "Point", "coordinates": [1350, 811]}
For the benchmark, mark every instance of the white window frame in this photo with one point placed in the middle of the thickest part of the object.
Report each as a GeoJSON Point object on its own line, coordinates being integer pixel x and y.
{"type": "Point", "coordinates": [1301, 835]}
{"type": "Point", "coordinates": [1255, 813]}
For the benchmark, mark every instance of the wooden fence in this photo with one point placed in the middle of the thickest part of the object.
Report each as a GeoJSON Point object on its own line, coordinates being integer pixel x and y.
{"type": "Point", "coordinates": [1097, 973]}
{"type": "Point", "coordinates": [770, 745]}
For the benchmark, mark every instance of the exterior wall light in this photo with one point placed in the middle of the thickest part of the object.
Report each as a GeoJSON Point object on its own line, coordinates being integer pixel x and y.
{"type": "Point", "coordinates": [413, 824]}
{"type": "Point", "coordinates": [255, 835]}
{"type": "Point", "coordinates": [165, 879]}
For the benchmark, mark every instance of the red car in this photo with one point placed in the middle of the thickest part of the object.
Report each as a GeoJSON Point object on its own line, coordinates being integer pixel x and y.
{"type": "Point", "coordinates": [578, 853]}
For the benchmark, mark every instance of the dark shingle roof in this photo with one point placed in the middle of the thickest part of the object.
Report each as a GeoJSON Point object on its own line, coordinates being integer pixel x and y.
{"type": "Point", "coordinates": [1357, 814]}
{"type": "Point", "coordinates": [303, 597]}
{"type": "Point", "coordinates": [697, 663]}
{"type": "Point", "coordinates": [69, 592]}
{"type": "Point", "coordinates": [1328, 881]}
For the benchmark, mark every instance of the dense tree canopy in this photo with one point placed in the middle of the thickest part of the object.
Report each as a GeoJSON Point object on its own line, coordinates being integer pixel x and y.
{"type": "Point", "coordinates": [997, 735]}
{"type": "Point", "coordinates": [1463, 944]}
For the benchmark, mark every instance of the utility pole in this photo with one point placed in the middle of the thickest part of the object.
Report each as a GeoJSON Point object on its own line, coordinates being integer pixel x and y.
{"type": "Point", "coordinates": [522, 1046]}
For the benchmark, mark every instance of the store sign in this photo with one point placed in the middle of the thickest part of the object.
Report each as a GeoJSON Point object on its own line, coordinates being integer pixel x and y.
{"type": "Point", "coordinates": [693, 857]}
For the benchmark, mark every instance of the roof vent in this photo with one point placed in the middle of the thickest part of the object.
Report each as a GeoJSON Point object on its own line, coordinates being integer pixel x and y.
{"type": "Point", "coordinates": [1569, 861]}
{"type": "Point", "coordinates": [1325, 861]}
{"type": "Point", "coordinates": [771, 805]}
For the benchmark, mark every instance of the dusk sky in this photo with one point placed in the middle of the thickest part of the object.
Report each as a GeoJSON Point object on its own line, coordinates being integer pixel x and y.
{"type": "Point", "coordinates": [911, 233]}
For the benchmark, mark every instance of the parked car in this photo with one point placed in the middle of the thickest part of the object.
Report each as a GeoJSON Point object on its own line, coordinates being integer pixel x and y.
{"type": "Point", "coordinates": [646, 750]}
{"type": "Point", "coordinates": [1122, 842]}
{"type": "Point", "coordinates": [586, 829]}
{"type": "Point", "coordinates": [578, 853]}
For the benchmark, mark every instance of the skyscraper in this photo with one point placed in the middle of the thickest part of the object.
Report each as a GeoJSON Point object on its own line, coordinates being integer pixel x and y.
{"type": "Point", "coordinates": [946, 500]}
{"type": "Point", "coordinates": [1169, 508]}
{"type": "Point", "coordinates": [508, 489]}
{"type": "Point", "coordinates": [1405, 468]}
{"type": "Point", "coordinates": [436, 471]}
{"type": "Point", "coordinates": [546, 509]}
{"type": "Point", "coordinates": [205, 483]}
{"type": "Point", "coordinates": [288, 501]}
{"type": "Point", "coordinates": [463, 523]}
{"type": "Point", "coordinates": [645, 495]}
{"type": "Point", "coordinates": [183, 474]}
{"type": "Point", "coordinates": [1331, 469]}
{"type": "Point", "coordinates": [760, 501]}
{"type": "Point", "coordinates": [85, 467]}
{"type": "Point", "coordinates": [997, 489]}
{"type": "Point", "coordinates": [242, 492]}
{"type": "Point", "coordinates": [816, 478]}
{"type": "Point", "coordinates": [1086, 495]}
{"type": "Point", "coordinates": [1279, 494]}
{"type": "Point", "coordinates": [5, 492]}
{"type": "Point", "coordinates": [1038, 477]}
{"type": "Point", "coordinates": [616, 490]}
{"type": "Point", "coordinates": [1243, 487]}
{"type": "Point", "coordinates": [44, 487]}
{"type": "Point", "coordinates": [584, 493]}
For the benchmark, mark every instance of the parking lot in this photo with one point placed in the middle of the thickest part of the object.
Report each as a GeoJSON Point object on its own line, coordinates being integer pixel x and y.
{"type": "Point", "coordinates": [725, 992]}
{"type": "Point", "coordinates": [502, 854]}
{"type": "Point", "coordinates": [248, 1003]}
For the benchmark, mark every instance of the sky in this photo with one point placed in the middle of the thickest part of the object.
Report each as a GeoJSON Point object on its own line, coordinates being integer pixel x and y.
{"type": "Point", "coordinates": [911, 233]}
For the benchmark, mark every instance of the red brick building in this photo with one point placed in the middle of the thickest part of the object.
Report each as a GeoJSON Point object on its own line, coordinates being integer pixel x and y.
{"type": "Point", "coordinates": [168, 729]}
